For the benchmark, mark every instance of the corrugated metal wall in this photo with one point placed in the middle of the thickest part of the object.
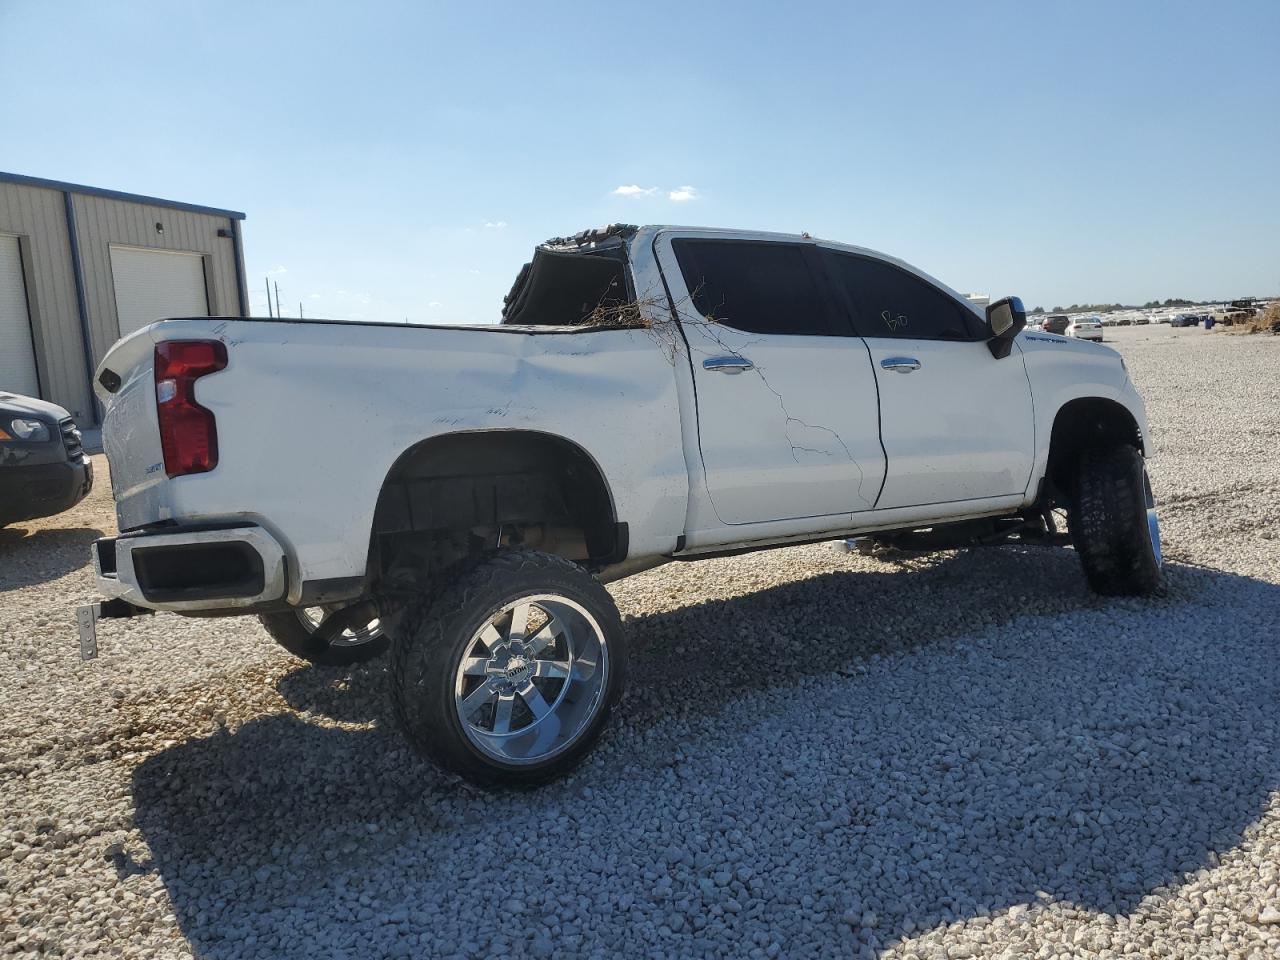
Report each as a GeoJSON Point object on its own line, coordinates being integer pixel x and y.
{"type": "Point", "coordinates": [39, 217]}
{"type": "Point", "coordinates": [101, 222]}
{"type": "Point", "coordinates": [38, 214]}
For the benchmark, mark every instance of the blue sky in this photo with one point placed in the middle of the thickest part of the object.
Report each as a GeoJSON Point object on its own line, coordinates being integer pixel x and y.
{"type": "Point", "coordinates": [401, 160]}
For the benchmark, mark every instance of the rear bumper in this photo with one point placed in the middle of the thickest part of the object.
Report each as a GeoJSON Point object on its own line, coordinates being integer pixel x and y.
{"type": "Point", "coordinates": [231, 570]}
{"type": "Point", "coordinates": [43, 490]}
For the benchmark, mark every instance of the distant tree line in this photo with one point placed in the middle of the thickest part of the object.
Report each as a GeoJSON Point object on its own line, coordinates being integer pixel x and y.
{"type": "Point", "coordinates": [1109, 307]}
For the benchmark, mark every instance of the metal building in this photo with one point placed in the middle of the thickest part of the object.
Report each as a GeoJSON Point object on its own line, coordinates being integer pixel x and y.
{"type": "Point", "coordinates": [81, 267]}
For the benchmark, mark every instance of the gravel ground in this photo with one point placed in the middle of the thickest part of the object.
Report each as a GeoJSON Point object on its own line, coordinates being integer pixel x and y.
{"type": "Point", "coordinates": [821, 755]}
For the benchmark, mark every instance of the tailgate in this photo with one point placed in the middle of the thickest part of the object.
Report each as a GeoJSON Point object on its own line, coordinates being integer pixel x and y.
{"type": "Point", "coordinates": [130, 432]}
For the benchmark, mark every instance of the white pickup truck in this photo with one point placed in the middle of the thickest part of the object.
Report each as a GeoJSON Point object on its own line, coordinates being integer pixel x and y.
{"type": "Point", "coordinates": [652, 394]}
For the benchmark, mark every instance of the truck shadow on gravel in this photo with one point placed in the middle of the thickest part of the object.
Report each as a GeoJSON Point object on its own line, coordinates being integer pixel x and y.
{"type": "Point", "coordinates": [833, 763]}
{"type": "Point", "coordinates": [31, 557]}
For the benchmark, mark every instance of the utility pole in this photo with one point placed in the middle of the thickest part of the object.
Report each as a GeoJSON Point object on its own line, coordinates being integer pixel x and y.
{"type": "Point", "coordinates": [278, 313]}
{"type": "Point", "coordinates": [267, 280]}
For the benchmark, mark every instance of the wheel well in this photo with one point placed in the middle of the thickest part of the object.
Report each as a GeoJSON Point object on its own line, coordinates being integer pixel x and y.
{"type": "Point", "coordinates": [454, 497]}
{"type": "Point", "coordinates": [1082, 424]}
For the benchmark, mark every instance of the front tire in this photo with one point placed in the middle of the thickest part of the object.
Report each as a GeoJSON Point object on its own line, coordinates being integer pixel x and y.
{"type": "Point", "coordinates": [509, 675]}
{"type": "Point", "coordinates": [1113, 523]}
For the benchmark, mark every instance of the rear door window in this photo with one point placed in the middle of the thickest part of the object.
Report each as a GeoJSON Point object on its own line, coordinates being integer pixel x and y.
{"type": "Point", "coordinates": [887, 301]}
{"type": "Point", "coordinates": [755, 286]}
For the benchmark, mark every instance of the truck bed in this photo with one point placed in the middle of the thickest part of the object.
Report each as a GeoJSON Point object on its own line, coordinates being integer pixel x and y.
{"type": "Point", "coordinates": [312, 415]}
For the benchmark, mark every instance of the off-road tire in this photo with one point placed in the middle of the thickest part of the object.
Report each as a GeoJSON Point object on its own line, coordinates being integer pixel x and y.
{"type": "Point", "coordinates": [1108, 523]}
{"type": "Point", "coordinates": [289, 631]}
{"type": "Point", "coordinates": [430, 637]}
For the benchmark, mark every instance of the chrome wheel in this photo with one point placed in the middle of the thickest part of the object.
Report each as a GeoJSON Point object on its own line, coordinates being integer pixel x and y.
{"type": "Point", "coordinates": [532, 679]}
{"type": "Point", "coordinates": [312, 617]}
{"type": "Point", "coordinates": [1153, 522]}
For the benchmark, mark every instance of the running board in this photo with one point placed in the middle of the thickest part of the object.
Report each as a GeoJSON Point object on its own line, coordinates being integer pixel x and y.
{"type": "Point", "coordinates": [991, 532]}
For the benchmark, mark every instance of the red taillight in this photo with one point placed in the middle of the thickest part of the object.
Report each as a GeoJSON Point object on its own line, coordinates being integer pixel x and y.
{"type": "Point", "coordinates": [188, 433]}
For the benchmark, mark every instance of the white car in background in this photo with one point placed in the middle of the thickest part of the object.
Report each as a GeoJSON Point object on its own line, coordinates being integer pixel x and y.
{"type": "Point", "coordinates": [1087, 329]}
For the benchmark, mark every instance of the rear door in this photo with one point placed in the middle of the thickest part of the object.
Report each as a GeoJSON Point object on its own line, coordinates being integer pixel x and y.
{"type": "Point", "coordinates": [786, 398]}
{"type": "Point", "coordinates": [957, 424]}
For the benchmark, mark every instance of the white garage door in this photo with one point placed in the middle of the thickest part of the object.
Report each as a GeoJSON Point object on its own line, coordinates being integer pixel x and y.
{"type": "Point", "coordinates": [154, 284]}
{"type": "Point", "coordinates": [17, 356]}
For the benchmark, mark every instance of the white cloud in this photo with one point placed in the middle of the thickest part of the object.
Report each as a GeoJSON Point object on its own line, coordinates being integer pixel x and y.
{"type": "Point", "coordinates": [276, 272]}
{"type": "Point", "coordinates": [435, 303]}
{"type": "Point", "coordinates": [313, 296]}
{"type": "Point", "coordinates": [682, 194]}
{"type": "Point", "coordinates": [494, 224]}
{"type": "Point", "coordinates": [634, 190]}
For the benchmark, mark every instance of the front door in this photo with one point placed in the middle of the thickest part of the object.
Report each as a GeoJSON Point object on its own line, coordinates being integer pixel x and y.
{"type": "Point", "coordinates": [786, 396]}
{"type": "Point", "coordinates": [957, 424]}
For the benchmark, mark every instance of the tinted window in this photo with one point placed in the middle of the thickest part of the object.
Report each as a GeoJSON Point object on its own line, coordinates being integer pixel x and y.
{"type": "Point", "coordinates": [889, 302]}
{"type": "Point", "coordinates": [753, 286]}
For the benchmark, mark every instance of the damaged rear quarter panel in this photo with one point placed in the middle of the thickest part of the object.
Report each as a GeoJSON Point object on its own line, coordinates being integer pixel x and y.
{"type": "Point", "coordinates": [311, 417]}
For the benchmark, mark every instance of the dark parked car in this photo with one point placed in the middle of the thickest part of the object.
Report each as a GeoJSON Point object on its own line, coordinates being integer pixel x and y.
{"type": "Point", "coordinates": [43, 467]}
{"type": "Point", "coordinates": [1057, 323]}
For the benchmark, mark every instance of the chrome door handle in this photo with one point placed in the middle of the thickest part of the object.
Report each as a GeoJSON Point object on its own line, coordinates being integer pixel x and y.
{"type": "Point", "coordinates": [900, 364]}
{"type": "Point", "coordinates": [727, 364]}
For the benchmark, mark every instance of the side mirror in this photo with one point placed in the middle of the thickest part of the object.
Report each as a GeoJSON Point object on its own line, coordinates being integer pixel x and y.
{"type": "Point", "coordinates": [1005, 319]}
